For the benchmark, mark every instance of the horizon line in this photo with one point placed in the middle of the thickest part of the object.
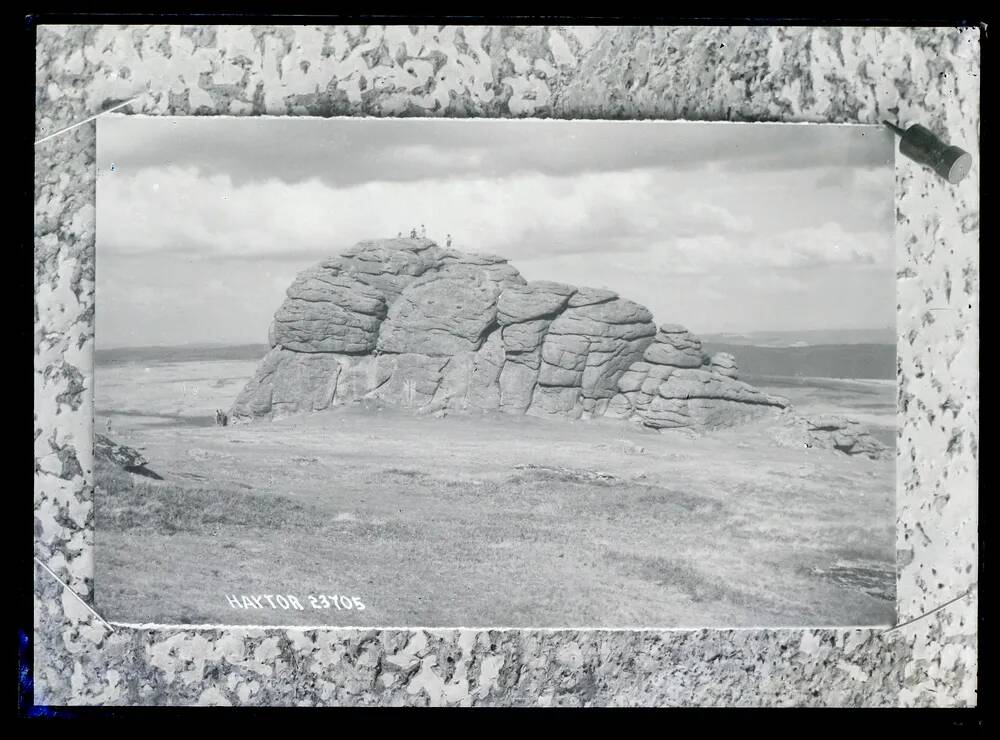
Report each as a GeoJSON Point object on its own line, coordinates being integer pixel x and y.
{"type": "Point", "coordinates": [237, 343]}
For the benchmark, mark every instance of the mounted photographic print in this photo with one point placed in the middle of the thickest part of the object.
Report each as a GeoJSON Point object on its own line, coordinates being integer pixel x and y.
{"type": "Point", "coordinates": [494, 373]}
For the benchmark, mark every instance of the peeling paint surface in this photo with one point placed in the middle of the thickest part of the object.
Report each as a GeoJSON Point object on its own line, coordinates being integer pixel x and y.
{"type": "Point", "coordinates": [930, 76]}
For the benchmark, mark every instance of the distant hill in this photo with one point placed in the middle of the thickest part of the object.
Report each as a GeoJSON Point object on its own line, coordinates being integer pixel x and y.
{"type": "Point", "coordinates": [819, 361]}
{"type": "Point", "coordinates": [805, 338]}
{"type": "Point", "coordinates": [181, 353]}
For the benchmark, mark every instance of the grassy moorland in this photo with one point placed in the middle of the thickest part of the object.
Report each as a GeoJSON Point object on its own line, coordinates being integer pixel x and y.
{"type": "Point", "coordinates": [480, 521]}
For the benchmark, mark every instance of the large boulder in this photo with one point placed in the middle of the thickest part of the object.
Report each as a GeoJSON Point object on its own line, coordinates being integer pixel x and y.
{"type": "Point", "coordinates": [327, 311]}
{"type": "Point", "coordinates": [525, 337]}
{"type": "Point", "coordinates": [409, 323]}
{"type": "Point", "coordinates": [533, 300]}
{"type": "Point", "coordinates": [675, 346]}
{"type": "Point", "coordinates": [441, 316]}
{"type": "Point", "coordinates": [389, 265]}
{"type": "Point", "coordinates": [724, 363]}
{"type": "Point", "coordinates": [488, 267]}
{"type": "Point", "coordinates": [289, 382]}
{"type": "Point", "coordinates": [590, 346]}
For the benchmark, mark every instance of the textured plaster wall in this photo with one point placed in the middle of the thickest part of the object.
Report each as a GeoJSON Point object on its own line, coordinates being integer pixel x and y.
{"type": "Point", "coordinates": [930, 76]}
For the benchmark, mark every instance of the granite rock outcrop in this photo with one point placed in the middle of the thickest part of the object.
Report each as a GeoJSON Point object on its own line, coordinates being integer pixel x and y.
{"type": "Point", "coordinates": [410, 323]}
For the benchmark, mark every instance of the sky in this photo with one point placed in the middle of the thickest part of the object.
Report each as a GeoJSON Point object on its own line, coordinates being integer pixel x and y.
{"type": "Point", "coordinates": [203, 222]}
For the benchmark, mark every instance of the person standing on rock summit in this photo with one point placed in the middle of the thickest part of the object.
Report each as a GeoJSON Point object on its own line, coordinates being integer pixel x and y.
{"type": "Point", "coordinates": [448, 243]}
{"type": "Point", "coordinates": [423, 231]}
{"type": "Point", "coordinates": [413, 233]}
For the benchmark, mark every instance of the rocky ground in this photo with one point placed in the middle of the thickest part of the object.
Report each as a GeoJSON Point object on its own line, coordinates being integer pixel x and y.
{"type": "Point", "coordinates": [491, 520]}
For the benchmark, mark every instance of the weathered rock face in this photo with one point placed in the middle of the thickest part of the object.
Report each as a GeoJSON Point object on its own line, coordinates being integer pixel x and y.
{"type": "Point", "coordinates": [409, 323]}
{"type": "Point", "coordinates": [328, 311]}
{"type": "Point", "coordinates": [674, 346]}
{"type": "Point", "coordinates": [674, 386]}
{"type": "Point", "coordinates": [441, 316]}
{"type": "Point", "coordinates": [724, 363]}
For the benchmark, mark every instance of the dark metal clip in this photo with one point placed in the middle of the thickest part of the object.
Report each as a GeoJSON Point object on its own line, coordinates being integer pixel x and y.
{"type": "Point", "coordinates": [922, 146]}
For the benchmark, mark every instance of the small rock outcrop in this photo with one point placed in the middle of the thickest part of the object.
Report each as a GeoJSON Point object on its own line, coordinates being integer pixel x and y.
{"type": "Point", "coordinates": [672, 387]}
{"type": "Point", "coordinates": [408, 322]}
{"type": "Point", "coordinates": [121, 456]}
{"type": "Point", "coordinates": [827, 432]}
{"type": "Point", "coordinates": [846, 435]}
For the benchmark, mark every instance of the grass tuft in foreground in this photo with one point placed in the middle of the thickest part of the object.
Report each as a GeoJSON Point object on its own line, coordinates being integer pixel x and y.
{"type": "Point", "coordinates": [131, 503]}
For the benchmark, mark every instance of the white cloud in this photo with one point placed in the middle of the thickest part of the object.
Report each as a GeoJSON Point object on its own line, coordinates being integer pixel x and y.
{"type": "Point", "coordinates": [178, 210]}
{"type": "Point", "coordinates": [822, 246]}
{"type": "Point", "coordinates": [719, 250]}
